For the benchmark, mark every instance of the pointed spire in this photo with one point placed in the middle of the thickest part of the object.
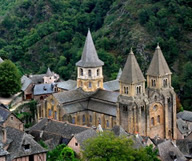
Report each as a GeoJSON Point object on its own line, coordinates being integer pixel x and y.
{"type": "Point", "coordinates": [1, 60]}
{"type": "Point", "coordinates": [49, 73]}
{"type": "Point", "coordinates": [119, 74]}
{"type": "Point", "coordinates": [158, 65]}
{"type": "Point", "coordinates": [89, 56]}
{"type": "Point", "coordinates": [131, 72]}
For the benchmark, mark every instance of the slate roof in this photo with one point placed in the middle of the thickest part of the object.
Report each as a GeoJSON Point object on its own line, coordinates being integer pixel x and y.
{"type": "Point", "coordinates": [67, 85]}
{"type": "Point", "coordinates": [1, 60]}
{"type": "Point", "coordinates": [41, 89]}
{"type": "Point", "coordinates": [37, 78]}
{"type": "Point", "coordinates": [183, 126]}
{"type": "Point", "coordinates": [119, 131]}
{"type": "Point", "coordinates": [111, 85]}
{"type": "Point", "coordinates": [19, 139]}
{"type": "Point", "coordinates": [69, 96]}
{"type": "Point", "coordinates": [77, 100]}
{"type": "Point", "coordinates": [66, 130]}
{"type": "Point", "coordinates": [50, 139]}
{"type": "Point", "coordinates": [4, 113]}
{"type": "Point", "coordinates": [168, 149]}
{"type": "Point", "coordinates": [25, 81]}
{"type": "Point", "coordinates": [89, 56]}
{"type": "Point", "coordinates": [107, 96]}
{"type": "Point", "coordinates": [3, 152]}
{"type": "Point", "coordinates": [185, 115]}
{"type": "Point", "coordinates": [131, 72]}
{"type": "Point", "coordinates": [185, 145]}
{"type": "Point", "coordinates": [102, 107]}
{"type": "Point", "coordinates": [75, 107]}
{"type": "Point", "coordinates": [83, 136]}
{"type": "Point", "coordinates": [158, 65]}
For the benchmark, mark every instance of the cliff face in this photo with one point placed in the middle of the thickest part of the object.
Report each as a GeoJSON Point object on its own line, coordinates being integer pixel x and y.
{"type": "Point", "coordinates": [41, 33]}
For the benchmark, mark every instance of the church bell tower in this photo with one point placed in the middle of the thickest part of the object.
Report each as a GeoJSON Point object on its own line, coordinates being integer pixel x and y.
{"type": "Point", "coordinates": [89, 68]}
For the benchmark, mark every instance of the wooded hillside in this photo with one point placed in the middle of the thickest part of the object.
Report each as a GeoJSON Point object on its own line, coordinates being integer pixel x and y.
{"type": "Point", "coordinates": [47, 33]}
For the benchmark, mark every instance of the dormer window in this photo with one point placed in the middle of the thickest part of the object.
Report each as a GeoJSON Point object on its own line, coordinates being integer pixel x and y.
{"type": "Point", "coordinates": [27, 147]}
{"type": "Point", "coordinates": [81, 71]}
{"type": "Point", "coordinates": [89, 73]}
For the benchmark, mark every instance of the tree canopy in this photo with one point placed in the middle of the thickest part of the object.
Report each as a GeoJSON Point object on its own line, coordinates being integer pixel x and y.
{"type": "Point", "coordinates": [61, 153]}
{"type": "Point", "coordinates": [108, 147]}
{"type": "Point", "coordinates": [10, 79]}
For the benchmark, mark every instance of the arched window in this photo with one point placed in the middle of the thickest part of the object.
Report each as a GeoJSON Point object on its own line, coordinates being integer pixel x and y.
{"type": "Point", "coordinates": [89, 73]}
{"type": "Point", "coordinates": [155, 107]}
{"type": "Point", "coordinates": [107, 123]}
{"type": "Point", "coordinates": [125, 108]}
{"type": "Point", "coordinates": [153, 82]}
{"type": "Point", "coordinates": [83, 118]}
{"type": "Point", "coordinates": [138, 89]}
{"type": "Point", "coordinates": [158, 118]}
{"type": "Point", "coordinates": [73, 120]}
{"type": "Point", "coordinates": [126, 90]}
{"type": "Point", "coordinates": [99, 120]}
{"type": "Point", "coordinates": [98, 84]}
{"type": "Point", "coordinates": [90, 85]}
{"type": "Point", "coordinates": [90, 118]}
{"type": "Point", "coordinates": [98, 72]}
{"type": "Point", "coordinates": [81, 71]}
{"type": "Point", "coordinates": [165, 83]}
{"type": "Point", "coordinates": [50, 112]}
{"type": "Point", "coordinates": [55, 115]}
{"type": "Point", "coordinates": [152, 121]}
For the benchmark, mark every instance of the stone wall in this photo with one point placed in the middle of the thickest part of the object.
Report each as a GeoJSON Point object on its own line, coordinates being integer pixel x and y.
{"type": "Point", "coordinates": [14, 122]}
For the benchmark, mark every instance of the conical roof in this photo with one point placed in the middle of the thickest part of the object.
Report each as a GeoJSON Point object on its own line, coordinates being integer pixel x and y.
{"type": "Point", "coordinates": [89, 56]}
{"type": "Point", "coordinates": [158, 66]}
{"type": "Point", "coordinates": [131, 73]}
{"type": "Point", "coordinates": [49, 73]}
{"type": "Point", "coordinates": [1, 60]}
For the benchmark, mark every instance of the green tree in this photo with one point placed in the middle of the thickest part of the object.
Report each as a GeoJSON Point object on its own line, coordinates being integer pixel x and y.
{"type": "Point", "coordinates": [187, 86]}
{"type": "Point", "coordinates": [10, 79]}
{"type": "Point", "coordinates": [108, 147]}
{"type": "Point", "coordinates": [61, 153]}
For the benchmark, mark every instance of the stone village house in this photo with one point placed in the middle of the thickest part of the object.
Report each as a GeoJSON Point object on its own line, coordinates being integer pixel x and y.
{"type": "Point", "coordinates": [15, 144]}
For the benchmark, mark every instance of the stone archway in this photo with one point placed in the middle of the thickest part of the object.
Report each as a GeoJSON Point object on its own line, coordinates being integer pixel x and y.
{"type": "Point", "coordinates": [156, 120]}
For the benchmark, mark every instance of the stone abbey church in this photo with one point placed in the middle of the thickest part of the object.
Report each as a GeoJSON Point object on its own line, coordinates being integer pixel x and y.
{"type": "Point", "coordinates": [149, 110]}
